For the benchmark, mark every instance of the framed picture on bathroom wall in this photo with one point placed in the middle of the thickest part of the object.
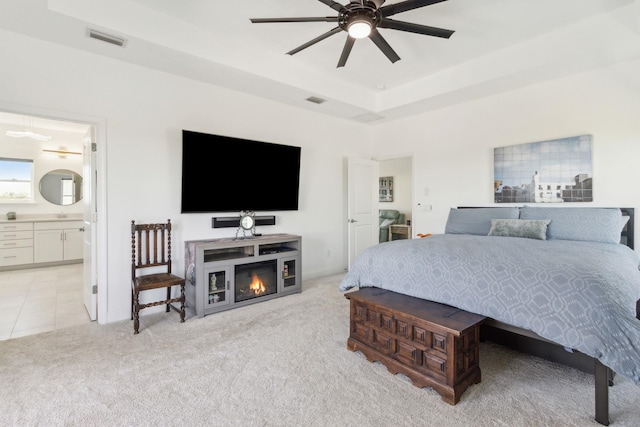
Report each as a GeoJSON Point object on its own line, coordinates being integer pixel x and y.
{"type": "Point", "coordinates": [386, 189]}
{"type": "Point", "coordinates": [554, 171]}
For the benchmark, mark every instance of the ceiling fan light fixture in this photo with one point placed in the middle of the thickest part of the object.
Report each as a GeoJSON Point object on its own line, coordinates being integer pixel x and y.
{"type": "Point", "coordinates": [362, 19]}
{"type": "Point", "coordinates": [360, 27]}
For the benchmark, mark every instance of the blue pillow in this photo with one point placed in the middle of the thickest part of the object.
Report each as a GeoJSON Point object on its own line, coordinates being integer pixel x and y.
{"type": "Point", "coordinates": [587, 224]}
{"type": "Point", "coordinates": [477, 220]}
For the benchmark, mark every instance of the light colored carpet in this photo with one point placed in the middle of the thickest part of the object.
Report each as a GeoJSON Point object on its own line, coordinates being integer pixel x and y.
{"type": "Point", "coordinates": [282, 362]}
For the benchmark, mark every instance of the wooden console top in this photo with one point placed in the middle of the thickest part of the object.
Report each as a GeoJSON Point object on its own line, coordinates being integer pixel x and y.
{"type": "Point", "coordinates": [232, 241]}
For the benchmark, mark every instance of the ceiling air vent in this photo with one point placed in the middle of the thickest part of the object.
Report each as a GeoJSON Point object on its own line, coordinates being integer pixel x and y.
{"type": "Point", "coordinates": [107, 38]}
{"type": "Point", "coordinates": [316, 100]}
{"type": "Point", "coordinates": [367, 118]}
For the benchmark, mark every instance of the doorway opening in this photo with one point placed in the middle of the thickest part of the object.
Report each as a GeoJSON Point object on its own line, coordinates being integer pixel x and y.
{"type": "Point", "coordinates": [363, 199]}
{"type": "Point", "coordinates": [47, 291]}
{"type": "Point", "coordinates": [395, 203]}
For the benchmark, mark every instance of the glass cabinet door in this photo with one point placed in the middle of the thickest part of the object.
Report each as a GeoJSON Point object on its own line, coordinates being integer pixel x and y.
{"type": "Point", "coordinates": [288, 269]}
{"type": "Point", "coordinates": [216, 286]}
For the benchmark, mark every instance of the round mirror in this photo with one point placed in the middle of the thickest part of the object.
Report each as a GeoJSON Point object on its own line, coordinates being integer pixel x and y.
{"type": "Point", "coordinates": [61, 187]}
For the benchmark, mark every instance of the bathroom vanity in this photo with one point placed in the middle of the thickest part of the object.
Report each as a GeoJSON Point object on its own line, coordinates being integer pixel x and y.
{"type": "Point", "coordinates": [35, 242]}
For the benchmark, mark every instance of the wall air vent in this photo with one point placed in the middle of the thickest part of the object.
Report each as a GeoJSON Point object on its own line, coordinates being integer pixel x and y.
{"type": "Point", "coordinates": [107, 38]}
{"type": "Point", "coordinates": [316, 100]}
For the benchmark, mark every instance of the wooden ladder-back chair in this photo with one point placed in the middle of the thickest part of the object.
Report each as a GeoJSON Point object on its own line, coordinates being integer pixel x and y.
{"type": "Point", "coordinates": [151, 249]}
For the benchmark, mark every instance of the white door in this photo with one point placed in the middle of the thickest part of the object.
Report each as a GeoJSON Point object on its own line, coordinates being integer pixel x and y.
{"type": "Point", "coordinates": [90, 270]}
{"type": "Point", "coordinates": [362, 205]}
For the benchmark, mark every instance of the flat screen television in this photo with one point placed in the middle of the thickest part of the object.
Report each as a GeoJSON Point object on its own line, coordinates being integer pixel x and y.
{"type": "Point", "coordinates": [226, 174]}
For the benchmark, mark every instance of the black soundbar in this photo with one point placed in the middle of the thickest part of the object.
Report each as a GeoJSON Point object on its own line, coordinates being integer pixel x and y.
{"type": "Point", "coordinates": [234, 221]}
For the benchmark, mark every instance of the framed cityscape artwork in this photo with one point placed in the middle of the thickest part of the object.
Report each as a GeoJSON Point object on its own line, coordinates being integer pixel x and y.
{"type": "Point", "coordinates": [555, 171]}
{"type": "Point", "coordinates": [386, 189]}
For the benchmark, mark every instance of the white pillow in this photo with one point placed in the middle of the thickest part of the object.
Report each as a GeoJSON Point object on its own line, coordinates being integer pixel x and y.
{"type": "Point", "coordinates": [386, 222]}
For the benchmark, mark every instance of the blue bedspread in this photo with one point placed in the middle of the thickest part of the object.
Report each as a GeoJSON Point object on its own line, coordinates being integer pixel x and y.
{"type": "Point", "coordinates": [581, 295]}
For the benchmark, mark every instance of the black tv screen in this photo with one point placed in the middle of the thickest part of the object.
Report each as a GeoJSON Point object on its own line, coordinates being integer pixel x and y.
{"type": "Point", "coordinates": [226, 174]}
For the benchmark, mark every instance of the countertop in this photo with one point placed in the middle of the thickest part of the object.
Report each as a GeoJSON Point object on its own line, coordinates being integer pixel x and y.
{"type": "Point", "coordinates": [41, 218]}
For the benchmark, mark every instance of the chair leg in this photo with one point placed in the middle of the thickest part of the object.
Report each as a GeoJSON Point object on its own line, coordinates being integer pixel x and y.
{"type": "Point", "coordinates": [136, 313]}
{"type": "Point", "coordinates": [168, 298]}
{"type": "Point", "coordinates": [182, 300]}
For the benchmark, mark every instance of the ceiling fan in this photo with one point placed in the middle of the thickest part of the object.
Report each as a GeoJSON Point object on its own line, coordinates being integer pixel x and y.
{"type": "Point", "coordinates": [362, 18]}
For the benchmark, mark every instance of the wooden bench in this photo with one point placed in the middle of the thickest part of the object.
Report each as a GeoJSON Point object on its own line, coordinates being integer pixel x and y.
{"type": "Point", "coordinates": [433, 344]}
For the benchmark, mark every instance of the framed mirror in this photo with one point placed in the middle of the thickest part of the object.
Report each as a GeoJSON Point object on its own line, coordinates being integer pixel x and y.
{"type": "Point", "coordinates": [61, 187]}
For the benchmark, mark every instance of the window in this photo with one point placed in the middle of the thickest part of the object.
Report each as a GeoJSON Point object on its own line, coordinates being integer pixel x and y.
{"type": "Point", "coordinates": [16, 180]}
{"type": "Point", "coordinates": [68, 196]}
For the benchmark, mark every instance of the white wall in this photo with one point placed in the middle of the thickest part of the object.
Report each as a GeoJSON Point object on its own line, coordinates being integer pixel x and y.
{"type": "Point", "coordinates": [145, 112]}
{"type": "Point", "coordinates": [453, 147]}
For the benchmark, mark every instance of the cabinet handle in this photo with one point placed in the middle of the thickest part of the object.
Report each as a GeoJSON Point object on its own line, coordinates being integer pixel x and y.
{"type": "Point", "coordinates": [10, 235]}
{"type": "Point", "coordinates": [10, 244]}
{"type": "Point", "coordinates": [10, 256]}
{"type": "Point", "coordinates": [227, 285]}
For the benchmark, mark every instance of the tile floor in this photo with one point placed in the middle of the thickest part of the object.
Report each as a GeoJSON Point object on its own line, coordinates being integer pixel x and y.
{"type": "Point", "coordinates": [40, 300]}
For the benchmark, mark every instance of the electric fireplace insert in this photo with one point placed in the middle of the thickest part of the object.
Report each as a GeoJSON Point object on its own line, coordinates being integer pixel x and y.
{"type": "Point", "coordinates": [255, 280]}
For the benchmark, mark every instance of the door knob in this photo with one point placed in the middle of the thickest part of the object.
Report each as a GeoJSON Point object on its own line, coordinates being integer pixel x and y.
{"type": "Point", "coordinates": [351, 220]}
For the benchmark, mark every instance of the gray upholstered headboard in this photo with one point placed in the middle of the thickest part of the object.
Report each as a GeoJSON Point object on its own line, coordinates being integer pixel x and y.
{"type": "Point", "coordinates": [626, 237]}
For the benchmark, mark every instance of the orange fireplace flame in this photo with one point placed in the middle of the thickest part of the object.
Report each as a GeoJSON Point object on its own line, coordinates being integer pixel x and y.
{"type": "Point", "coordinates": [257, 286]}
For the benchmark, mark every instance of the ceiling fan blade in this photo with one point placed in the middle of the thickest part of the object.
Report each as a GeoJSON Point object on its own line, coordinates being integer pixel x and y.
{"type": "Point", "coordinates": [333, 5]}
{"type": "Point", "coordinates": [272, 20]}
{"type": "Point", "coordinates": [404, 6]}
{"type": "Point", "coordinates": [382, 44]}
{"type": "Point", "coordinates": [346, 51]}
{"type": "Point", "coordinates": [415, 28]}
{"type": "Point", "coordinates": [314, 41]}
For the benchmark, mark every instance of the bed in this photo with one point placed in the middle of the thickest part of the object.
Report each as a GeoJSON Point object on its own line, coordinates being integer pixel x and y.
{"type": "Point", "coordinates": [558, 276]}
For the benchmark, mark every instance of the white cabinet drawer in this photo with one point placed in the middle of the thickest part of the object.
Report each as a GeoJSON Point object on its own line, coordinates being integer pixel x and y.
{"type": "Point", "coordinates": [57, 225]}
{"type": "Point", "coordinates": [16, 256]}
{"type": "Point", "coordinates": [9, 244]}
{"type": "Point", "coordinates": [14, 235]}
{"type": "Point", "coordinates": [15, 226]}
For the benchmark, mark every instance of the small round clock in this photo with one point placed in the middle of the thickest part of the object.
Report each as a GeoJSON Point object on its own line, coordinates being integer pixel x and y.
{"type": "Point", "coordinates": [247, 224]}
{"type": "Point", "coordinates": [246, 221]}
